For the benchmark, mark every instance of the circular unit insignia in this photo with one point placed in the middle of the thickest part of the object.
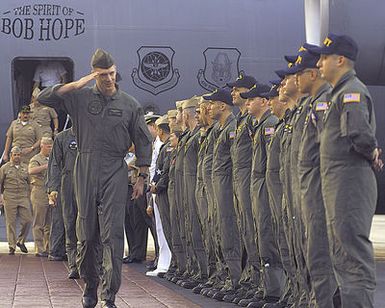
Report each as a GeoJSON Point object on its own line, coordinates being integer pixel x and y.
{"type": "Point", "coordinates": [95, 107]}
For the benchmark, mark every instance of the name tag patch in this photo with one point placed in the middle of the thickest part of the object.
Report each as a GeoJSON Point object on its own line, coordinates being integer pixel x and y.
{"type": "Point", "coordinates": [115, 112]}
{"type": "Point", "coordinates": [269, 131]}
{"type": "Point", "coordinates": [352, 98]}
{"type": "Point", "coordinates": [321, 106]}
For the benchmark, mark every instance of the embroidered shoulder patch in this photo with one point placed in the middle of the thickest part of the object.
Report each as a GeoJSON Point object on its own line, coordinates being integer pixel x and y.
{"type": "Point", "coordinates": [232, 135]}
{"type": "Point", "coordinates": [321, 106]}
{"type": "Point", "coordinates": [269, 131]}
{"type": "Point", "coordinates": [352, 98]}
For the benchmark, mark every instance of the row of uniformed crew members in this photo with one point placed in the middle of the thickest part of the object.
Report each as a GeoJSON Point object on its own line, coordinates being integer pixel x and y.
{"type": "Point", "coordinates": [273, 207]}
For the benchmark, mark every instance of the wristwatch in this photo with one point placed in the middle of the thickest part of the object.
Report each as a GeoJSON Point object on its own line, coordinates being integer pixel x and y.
{"type": "Point", "coordinates": [143, 175]}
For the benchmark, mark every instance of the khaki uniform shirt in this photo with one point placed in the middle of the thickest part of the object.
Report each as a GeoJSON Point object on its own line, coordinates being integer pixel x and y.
{"type": "Point", "coordinates": [14, 184]}
{"type": "Point", "coordinates": [42, 116]}
{"type": "Point", "coordinates": [24, 136]}
{"type": "Point", "coordinates": [39, 194]}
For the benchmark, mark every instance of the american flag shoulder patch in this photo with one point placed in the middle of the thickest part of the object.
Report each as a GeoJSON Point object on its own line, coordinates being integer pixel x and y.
{"type": "Point", "coordinates": [321, 106]}
{"type": "Point", "coordinates": [269, 131]}
{"type": "Point", "coordinates": [232, 135]}
{"type": "Point", "coordinates": [352, 98]}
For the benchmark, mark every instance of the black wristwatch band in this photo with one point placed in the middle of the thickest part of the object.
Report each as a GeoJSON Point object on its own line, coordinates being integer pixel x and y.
{"type": "Point", "coordinates": [143, 175]}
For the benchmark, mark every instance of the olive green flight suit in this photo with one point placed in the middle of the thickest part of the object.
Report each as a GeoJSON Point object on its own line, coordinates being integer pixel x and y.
{"type": "Point", "coordinates": [203, 205]}
{"type": "Point", "coordinates": [14, 185]}
{"type": "Point", "coordinates": [220, 275]}
{"type": "Point", "coordinates": [193, 224]}
{"type": "Point", "coordinates": [349, 188]}
{"type": "Point", "coordinates": [62, 161]}
{"type": "Point", "coordinates": [317, 254]}
{"type": "Point", "coordinates": [299, 230]}
{"type": "Point", "coordinates": [40, 208]}
{"type": "Point", "coordinates": [241, 155]}
{"type": "Point", "coordinates": [287, 212]}
{"type": "Point", "coordinates": [105, 127]}
{"type": "Point", "coordinates": [273, 275]}
{"type": "Point", "coordinates": [176, 238]}
{"type": "Point", "coordinates": [275, 190]}
{"type": "Point", "coordinates": [180, 194]}
{"type": "Point", "coordinates": [222, 177]}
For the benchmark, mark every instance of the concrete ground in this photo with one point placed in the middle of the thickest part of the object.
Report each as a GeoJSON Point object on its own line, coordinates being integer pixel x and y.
{"type": "Point", "coordinates": [33, 282]}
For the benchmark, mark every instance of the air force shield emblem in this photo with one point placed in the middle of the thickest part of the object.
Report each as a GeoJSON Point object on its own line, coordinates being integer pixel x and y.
{"type": "Point", "coordinates": [221, 66]}
{"type": "Point", "coordinates": [155, 72]}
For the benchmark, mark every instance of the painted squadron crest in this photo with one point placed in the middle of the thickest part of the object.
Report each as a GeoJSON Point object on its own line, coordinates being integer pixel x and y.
{"type": "Point", "coordinates": [221, 67]}
{"type": "Point", "coordinates": [155, 72]}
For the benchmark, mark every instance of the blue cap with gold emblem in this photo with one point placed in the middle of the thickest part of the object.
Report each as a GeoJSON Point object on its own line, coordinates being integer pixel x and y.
{"type": "Point", "coordinates": [243, 81]}
{"type": "Point", "coordinates": [306, 59]}
{"type": "Point", "coordinates": [334, 44]}
{"type": "Point", "coordinates": [256, 91]}
{"type": "Point", "coordinates": [273, 92]}
{"type": "Point", "coordinates": [221, 95]}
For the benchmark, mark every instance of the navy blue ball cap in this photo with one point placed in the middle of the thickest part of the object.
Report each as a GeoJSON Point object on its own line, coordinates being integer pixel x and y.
{"type": "Point", "coordinates": [276, 82]}
{"type": "Point", "coordinates": [281, 73]}
{"type": "Point", "coordinates": [334, 44]}
{"type": "Point", "coordinates": [306, 59]}
{"type": "Point", "coordinates": [243, 81]}
{"type": "Point", "coordinates": [256, 91]}
{"type": "Point", "coordinates": [290, 59]}
{"type": "Point", "coordinates": [221, 95]}
{"type": "Point", "coordinates": [272, 93]}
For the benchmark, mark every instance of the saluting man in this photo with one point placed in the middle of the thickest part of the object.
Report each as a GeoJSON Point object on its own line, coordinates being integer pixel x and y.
{"type": "Point", "coordinates": [106, 121]}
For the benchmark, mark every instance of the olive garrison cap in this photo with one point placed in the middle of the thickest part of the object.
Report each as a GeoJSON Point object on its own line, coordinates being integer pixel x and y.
{"type": "Point", "coordinates": [179, 104]}
{"type": "Point", "coordinates": [172, 113]}
{"type": "Point", "coordinates": [191, 103]}
{"type": "Point", "coordinates": [202, 100]}
{"type": "Point", "coordinates": [162, 120]}
{"type": "Point", "coordinates": [46, 140]}
{"type": "Point", "coordinates": [102, 59]}
{"type": "Point", "coordinates": [16, 149]}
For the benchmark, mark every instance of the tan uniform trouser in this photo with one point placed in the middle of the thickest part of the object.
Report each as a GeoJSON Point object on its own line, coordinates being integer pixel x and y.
{"type": "Point", "coordinates": [41, 227]}
{"type": "Point", "coordinates": [25, 217]}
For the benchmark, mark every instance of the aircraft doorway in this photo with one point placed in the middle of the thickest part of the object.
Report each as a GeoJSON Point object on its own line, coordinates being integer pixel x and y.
{"type": "Point", "coordinates": [23, 71]}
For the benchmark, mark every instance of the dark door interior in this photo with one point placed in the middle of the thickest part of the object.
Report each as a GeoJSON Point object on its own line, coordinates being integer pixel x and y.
{"type": "Point", "coordinates": [23, 70]}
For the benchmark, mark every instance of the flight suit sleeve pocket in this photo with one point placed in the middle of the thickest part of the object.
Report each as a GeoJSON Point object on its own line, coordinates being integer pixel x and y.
{"type": "Point", "coordinates": [344, 124]}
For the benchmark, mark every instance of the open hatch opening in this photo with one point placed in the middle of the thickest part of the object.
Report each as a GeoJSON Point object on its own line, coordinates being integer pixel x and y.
{"type": "Point", "coordinates": [23, 71]}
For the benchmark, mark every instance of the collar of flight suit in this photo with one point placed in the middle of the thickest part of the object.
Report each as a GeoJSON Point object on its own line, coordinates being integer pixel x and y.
{"type": "Point", "coordinates": [228, 120]}
{"type": "Point", "coordinates": [324, 88]}
{"type": "Point", "coordinates": [116, 95]}
{"type": "Point", "coordinates": [350, 74]}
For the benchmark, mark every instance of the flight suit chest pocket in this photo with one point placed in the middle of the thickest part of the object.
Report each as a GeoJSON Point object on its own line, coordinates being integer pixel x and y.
{"type": "Point", "coordinates": [113, 117]}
